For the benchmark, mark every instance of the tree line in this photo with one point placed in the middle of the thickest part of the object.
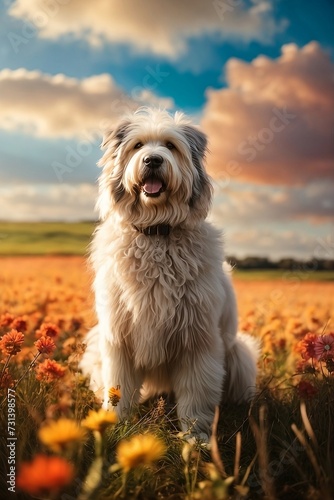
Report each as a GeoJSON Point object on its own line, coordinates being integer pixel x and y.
{"type": "Point", "coordinates": [289, 263]}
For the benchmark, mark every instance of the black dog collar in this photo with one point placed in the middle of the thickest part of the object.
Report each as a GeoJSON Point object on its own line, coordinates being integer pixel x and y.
{"type": "Point", "coordinates": [158, 230]}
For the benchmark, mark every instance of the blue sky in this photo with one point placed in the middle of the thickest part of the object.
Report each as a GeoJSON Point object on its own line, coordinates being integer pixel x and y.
{"type": "Point", "coordinates": [200, 57]}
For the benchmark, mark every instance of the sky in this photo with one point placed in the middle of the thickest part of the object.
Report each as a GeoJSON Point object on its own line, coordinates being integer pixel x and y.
{"type": "Point", "coordinates": [256, 75]}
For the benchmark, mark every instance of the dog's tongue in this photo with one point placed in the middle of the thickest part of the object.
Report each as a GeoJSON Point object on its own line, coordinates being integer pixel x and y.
{"type": "Point", "coordinates": [152, 185]}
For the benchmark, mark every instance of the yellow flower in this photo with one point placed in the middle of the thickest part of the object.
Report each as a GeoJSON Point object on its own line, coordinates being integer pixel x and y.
{"type": "Point", "coordinates": [60, 434]}
{"type": "Point", "coordinates": [139, 450]}
{"type": "Point", "coordinates": [114, 395]}
{"type": "Point", "coordinates": [99, 420]}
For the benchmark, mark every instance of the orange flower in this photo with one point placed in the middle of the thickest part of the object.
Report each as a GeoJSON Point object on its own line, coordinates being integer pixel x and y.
{"type": "Point", "coordinates": [61, 434]}
{"type": "Point", "coordinates": [45, 345]}
{"type": "Point", "coordinates": [142, 449]}
{"type": "Point", "coordinates": [50, 370]}
{"type": "Point", "coordinates": [44, 475]}
{"type": "Point", "coordinates": [11, 343]}
{"type": "Point", "coordinates": [20, 323]}
{"type": "Point", "coordinates": [6, 319]}
{"type": "Point", "coordinates": [99, 420]}
{"type": "Point", "coordinates": [48, 330]}
{"type": "Point", "coordinates": [114, 395]}
{"type": "Point", "coordinates": [306, 346]}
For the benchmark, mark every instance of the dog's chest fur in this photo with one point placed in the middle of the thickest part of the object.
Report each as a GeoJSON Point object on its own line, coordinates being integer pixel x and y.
{"type": "Point", "coordinates": [162, 291]}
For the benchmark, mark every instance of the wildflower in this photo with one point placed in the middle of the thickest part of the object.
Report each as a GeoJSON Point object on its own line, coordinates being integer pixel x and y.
{"type": "Point", "coordinates": [114, 395]}
{"type": "Point", "coordinates": [306, 346]}
{"type": "Point", "coordinates": [139, 450]}
{"type": "Point", "coordinates": [20, 323]}
{"type": "Point", "coordinates": [306, 390]}
{"type": "Point", "coordinates": [48, 330]}
{"type": "Point", "coordinates": [11, 342]}
{"type": "Point", "coordinates": [60, 434]}
{"type": "Point", "coordinates": [6, 320]}
{"type": "Point", "coordinates": [45, 345]}
{"type": "Point", "coordinates": [99, 420]}
{"type": "Point", "coordinates": [50, 370]}
{"type": "Point", "coordinates": [6, 380]}
{"type": "Point", "coordinates": [44, 475]}
{"type": "Point", "coordinates": [324, 347]}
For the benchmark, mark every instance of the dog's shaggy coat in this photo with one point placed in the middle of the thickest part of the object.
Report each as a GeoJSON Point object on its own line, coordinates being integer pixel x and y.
{"type": "Point", "coordinates": [167, 316]}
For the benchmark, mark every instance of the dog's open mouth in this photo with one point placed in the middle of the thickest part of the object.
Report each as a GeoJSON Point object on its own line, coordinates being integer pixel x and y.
{"type": "Point", "coordinates": [152, 187]}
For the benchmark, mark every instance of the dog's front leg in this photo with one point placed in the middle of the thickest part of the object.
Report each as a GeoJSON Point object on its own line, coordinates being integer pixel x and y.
{"type": "Point", "coordinates": [118, 370]}
{"type": "Point", "coordinates": [197, 384]}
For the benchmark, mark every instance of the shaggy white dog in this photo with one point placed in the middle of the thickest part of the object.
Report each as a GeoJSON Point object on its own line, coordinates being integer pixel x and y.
{"type": "Point", "coordinates": [167, 316]}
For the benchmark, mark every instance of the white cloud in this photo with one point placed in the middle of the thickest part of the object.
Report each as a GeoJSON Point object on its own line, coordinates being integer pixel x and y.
{"type": "Point", "coordinates": [246, 204]}
{"type": "Point", "coordinates": [274, 122]}
{"type": "Point", "coordinates": [58, 106]}
{"type": "Point", "coordinates": [277, 244]}
{"type": "Point", "coordinates": [154, 26]}
{"type": "Point", "coordinates": [48, 202]}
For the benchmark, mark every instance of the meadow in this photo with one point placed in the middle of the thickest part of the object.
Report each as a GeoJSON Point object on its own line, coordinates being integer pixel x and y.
{"type": "Point", "coordinates": [40, 238]}
{"type": "Point", "coordinates": [280, 446]}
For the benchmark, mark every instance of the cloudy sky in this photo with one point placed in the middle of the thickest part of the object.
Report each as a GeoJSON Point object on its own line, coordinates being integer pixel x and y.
{"type": "Point", "coordinates": [256, 75]}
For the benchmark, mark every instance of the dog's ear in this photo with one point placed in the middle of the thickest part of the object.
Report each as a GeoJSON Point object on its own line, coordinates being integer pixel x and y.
{"type": "Point", "coordinates": [197, 140]}
{"type": "Point", "coordinates": [111, 189]}
{"type": "Point", "coordinates": [115, 136]}
{"type": "Point", "coordinates": [202, 189]}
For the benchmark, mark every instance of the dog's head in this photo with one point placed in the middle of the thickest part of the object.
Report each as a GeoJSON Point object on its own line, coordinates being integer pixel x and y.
{"type": "Point", "coordinates": [153, 170]}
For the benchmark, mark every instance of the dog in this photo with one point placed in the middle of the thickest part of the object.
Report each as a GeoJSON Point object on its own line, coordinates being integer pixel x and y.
{"type": "Point", "coordinates": [167, 314]}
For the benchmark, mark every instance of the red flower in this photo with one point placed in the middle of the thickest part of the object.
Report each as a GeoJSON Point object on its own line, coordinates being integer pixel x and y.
{"type": "Point", "coordinates": [324, 347]}
{"type": "Point", "coordinates": [50, 370]}
{"type": "Point", "coordinates": [45, 345]}
{"type": "Point", "coordinates": [11, 343]}
{"type": "Point", "coordinates": [306, 390]}
{"type": "Point", "coordinates": [44, 475]}
{"type": "Point", "coordinates": [306, 346]}
{"type": "Point", "coordinates": [47, 330]}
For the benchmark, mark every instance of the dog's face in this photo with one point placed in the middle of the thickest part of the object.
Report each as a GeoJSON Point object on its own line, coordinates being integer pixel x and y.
{"type": "Point", "coordinates": [153, 170]}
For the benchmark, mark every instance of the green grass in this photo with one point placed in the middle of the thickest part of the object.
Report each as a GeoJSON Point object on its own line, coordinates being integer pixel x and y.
{"type": "Point", "coordinates": [45, 238]}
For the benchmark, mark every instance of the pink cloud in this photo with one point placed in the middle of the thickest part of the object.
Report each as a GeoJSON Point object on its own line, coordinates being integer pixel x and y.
{"type": "Point", "coordinates": [274, 122]}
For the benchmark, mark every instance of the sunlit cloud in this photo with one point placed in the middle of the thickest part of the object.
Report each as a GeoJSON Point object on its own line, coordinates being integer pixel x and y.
{"type": "Point", "coordinates": [48, 202]}
{"type": "Point", "coordinates": [59, 106]}
{"type": "Point", "coordinates": [274, 122]}
{"type": "Point", "coordinates": [154, 26]}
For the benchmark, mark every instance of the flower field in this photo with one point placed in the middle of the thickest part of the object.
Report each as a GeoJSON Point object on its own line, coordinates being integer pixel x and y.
{"type": "Point", "coordinates": [56, 443]}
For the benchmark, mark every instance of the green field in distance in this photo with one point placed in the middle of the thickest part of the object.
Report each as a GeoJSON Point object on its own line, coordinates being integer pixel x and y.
{"type": "Point", "coordinates": [62, 238]}
{"type": "Point", "coordinates": [43, 238]}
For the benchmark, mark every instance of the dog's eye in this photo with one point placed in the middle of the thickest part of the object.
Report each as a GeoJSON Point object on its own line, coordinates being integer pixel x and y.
{"type": "Point", "coordinates": [138, 145]}
{"type": "Point", "coordinates": [170, 145]}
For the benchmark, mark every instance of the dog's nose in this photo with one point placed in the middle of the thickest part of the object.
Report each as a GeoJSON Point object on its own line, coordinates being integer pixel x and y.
{"type": "Point", "coordinates": [153, 161]}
